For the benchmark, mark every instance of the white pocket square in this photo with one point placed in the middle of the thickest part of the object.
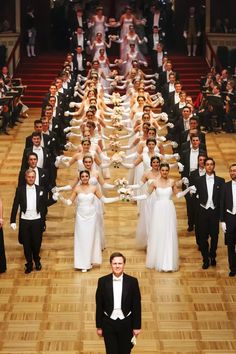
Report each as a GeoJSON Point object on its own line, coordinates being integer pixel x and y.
{"type": "Point", "coordinates": [41, 193]}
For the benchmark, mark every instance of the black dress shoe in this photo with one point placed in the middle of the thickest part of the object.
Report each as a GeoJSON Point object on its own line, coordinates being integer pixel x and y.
{"type": "Point", "coordinates": [28, 269]}
{"type": "Point", "coordinates": [38, 265]}
{"type": "Point", "coordinates": [190, 228]}
{"type": "Point", "coordinates": [232, 274]}
{"type": "Point", "coordinates": [213, 262]}
{"type": "Point", "coordinates": [205, 265]}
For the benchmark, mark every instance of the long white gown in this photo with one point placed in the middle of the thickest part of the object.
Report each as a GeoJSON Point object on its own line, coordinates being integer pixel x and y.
{"type": "Point", "coordinates": [162, 245]}
{"type": "Point", "coordinates": [87, 238]}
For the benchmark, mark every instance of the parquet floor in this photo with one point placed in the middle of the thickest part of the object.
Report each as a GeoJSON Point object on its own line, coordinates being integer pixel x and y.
{"type": "Point", "coordinates": [52, 311]}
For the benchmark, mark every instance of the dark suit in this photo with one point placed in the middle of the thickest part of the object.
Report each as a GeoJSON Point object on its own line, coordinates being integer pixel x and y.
{"type": "Point", "coordinates": [29, 142]}
{"type": "Point", "coordinates": [46, 158]}
{"type": "Point", "coordinates": [76, 65]}
{"type": "Point", "coordinates": [118, 333]}
{"type": "Point", "coordinates": [226, 216]}
{"type": "Point", "coordinates": [185, 133]}
{"type": "Point", "coordinates": [208, 219]}
{"type": "Point", "coordinates": [186, 146]}
{"type": "Point", "coordinates": [193, 177]}
{"type": "Point", "coordinates": [30, 231]}
{"type": "Point", "coordinates": [43, 178]}
{"type": "Point", "coordinates": [185, 160]}
{"type": "Point", "coordinates": [3, 264]}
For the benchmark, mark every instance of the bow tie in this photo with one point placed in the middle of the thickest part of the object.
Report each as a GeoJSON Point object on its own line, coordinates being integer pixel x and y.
{"type": "Point", "coordinates": [210, 177]}
{"type": "Point", "coordinates": [116, 279]}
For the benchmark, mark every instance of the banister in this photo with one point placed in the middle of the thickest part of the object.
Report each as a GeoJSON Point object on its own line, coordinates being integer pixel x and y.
{"type": "Point", "coordinates": [214, 60]}
{"type": "Point", "coordinates": [12, 56]}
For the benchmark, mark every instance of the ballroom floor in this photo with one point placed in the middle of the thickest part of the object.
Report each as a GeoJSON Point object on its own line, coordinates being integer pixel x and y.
{"type": "Point", "coordinates": [52, 311]}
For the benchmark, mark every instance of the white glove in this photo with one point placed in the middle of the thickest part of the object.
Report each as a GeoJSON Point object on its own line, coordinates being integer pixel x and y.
{"type": "Point", "coordinates": [152, 82]}
{"type": "Point", "coordinates": [157, 76]}
{"type": "Point", "coordinates": [192, 190]}
{"type": "Point", "coordinates": [72, 104]}
{"type": "Point", "coordinates": [176, 156]}
{"type": "Point", "coordinates": [76, 94]}
{"type": "Point", "coordinates": [88, 42]}
{"type": "Point", "coordinates": [145, 39]}
{"type": "Point", "coordinates": [170, 125]}
{"type": "Point", "coordinates": [161, 138]}
{"type": "Point", "coordinates": [134, 340]}
{"type": "Point", "coordinates": [13, 226]}
{"type": "Point", "coordinates": [223, 227]}
{"type": "Point", "coordinates": [180, 167]}
{"type": "Point", "coordinates": [198, 34]}
{"type": "Point", "coordinates": [67, 129]}
{"type": "Point", "coordinates": [55, 196]}
{"type": "Point", "coordinates": [67, 113]}
{"type": "Point", "coordinates": [174, 144]}
{"type": "Point", "coordinates": [152, 87]}
{"type": "Point", "coordinates": [185, 34]}
{"type": "Point", "coordinates": [185, 181]}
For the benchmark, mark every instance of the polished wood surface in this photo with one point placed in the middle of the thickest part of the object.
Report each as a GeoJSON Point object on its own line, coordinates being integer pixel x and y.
{"type": "Point", "coordinates": [52, 311]}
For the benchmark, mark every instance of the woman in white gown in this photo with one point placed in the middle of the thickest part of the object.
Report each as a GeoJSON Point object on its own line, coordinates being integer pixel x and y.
{"type": "Point", "coordinates": [87, 238]}
{"type": "Point", "coordinates": [162, 244]}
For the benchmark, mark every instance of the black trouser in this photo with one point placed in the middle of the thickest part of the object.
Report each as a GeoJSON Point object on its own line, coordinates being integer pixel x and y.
{"type": "Point", "coordinates": [3, 265]}
{"type": "Point", "coordinates": [190, 210]}
{"type": "Point", "coordinates": [117, 335]}
{"type": "Point", "coordinates": [31, 233]}
{"type": "Point", "coordinates": [208, 226]}
{"type": "Point", "coordinates": [230, 240]}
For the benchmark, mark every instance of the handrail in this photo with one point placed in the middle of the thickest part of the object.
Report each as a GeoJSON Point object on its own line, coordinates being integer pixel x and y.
{"type": "Point", "coordinates": [213, 60]}
{"type": "Point", "coordinates": [12, 58]}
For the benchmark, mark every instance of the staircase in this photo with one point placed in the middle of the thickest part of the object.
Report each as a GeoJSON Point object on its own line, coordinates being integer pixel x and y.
{"type": "Point", "coordinates": [37, 73]}
{"type": "Point", "coordinates": [190, 70]}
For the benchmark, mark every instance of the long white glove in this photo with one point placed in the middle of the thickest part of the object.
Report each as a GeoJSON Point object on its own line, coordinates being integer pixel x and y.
{"type": "Point", "coordinates": [13, 226]}
{"type": "Point", "coordinates": [109, 200]}
{"type": "Point", "coordinates": [183, 193]}
{"type": "Point", "coordinates": [223, 227]}
{"type": "Point", "coordinates": [65, 201]}
{"type": "Point", "coordinates": [63, 188]}
{"type": "Point", "coordinates": [135, 186]}
{"type": "Point", "coordinates": [139, 197]}
{"type": "Point", "coordinates": [185, 181]}
{"type": "Point", "coordinates": [108, 186]}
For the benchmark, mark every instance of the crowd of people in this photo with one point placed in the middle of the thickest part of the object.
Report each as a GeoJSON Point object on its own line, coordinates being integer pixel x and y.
{"type": "Point", "coordinates": [128, 110]}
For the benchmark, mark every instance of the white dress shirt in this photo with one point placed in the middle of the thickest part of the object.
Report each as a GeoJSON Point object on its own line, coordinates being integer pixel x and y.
{"type": "Point", "coordinates": [31, 210]}
{"type": "Point", "coordinates": [155, 37]}
{"type": "Point", "coordinates": [171, 87]}
{"type": "Point", "coordinates": [156, 19]}
{"type": "Point", "coordinates": [201, 172]}
{"type": "Point", "coordinates": [36, 176]}
{"type": "Point", "coordinates": [186, 124]}
{"type": "Point", "coordinates": [210, 184]}
{"type": "Point", "coordinates": [39, 152]}
{"type": "Point", "coordinates": [159, 58]}
{"type": "Point", "coordinates": [234, 196]}
{"type": "Point", "coordinates": [80, 21]}
{"type": "Point", "coordinates": [80, 62]}
{"type": "Point", "coordinates": [194, 159]}
{"type": "Point", "coordinates": [117, 296]}
{"type": "Point", "coordinates": [80, 40]}
{"type": "Point", "coordinates": [176, 98]}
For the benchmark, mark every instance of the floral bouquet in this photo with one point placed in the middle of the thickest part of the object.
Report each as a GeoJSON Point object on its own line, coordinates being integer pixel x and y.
{"type": "Point", "coordinates": [118, 125]}
{"type": "Point", "coordinates": [121, 183]}
{"type": "Point", "coordinates": [125, 194]}
{"type": "Point", "coordinates": [117, 158]}
{"type": "Point", "coordinates": [114, 145]}
{"type": "Point", "coordinates": [118, 110]}
{"type": "Point", "coordinates": [114, 137]}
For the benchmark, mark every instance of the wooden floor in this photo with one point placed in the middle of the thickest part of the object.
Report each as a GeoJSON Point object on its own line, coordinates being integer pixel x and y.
{"type": "Point", "coordinates": [52, 311]}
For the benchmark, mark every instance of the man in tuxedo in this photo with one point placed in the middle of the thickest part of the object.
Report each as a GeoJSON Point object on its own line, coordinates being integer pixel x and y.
{"type": "Point", "coordinates": [32, 202]}
{"type": "Point", "coordinates": [228, 218]}
{"type": "Point", "coordinates": [118, 308]}
{"type": "Point", "coordinates": [38, 128]}
{"type": "Point", "coordinates": [209, 188]}
{"type": "Point", "coordinates": [193, 177]}
{"type": "Point", "coordinates": [164, 75]}
{"type": "Point", "coordinates": [189, 158]}
{"type": "Point", "coordinates": [79, 61]}
{"type": "Point", "coordinates": [42, 152]}
{"type": "Point", "coordinates": [41, 175]}
{"type": "Point", "coordinates": [78, 39]}
{"type": "Point", "coordinates": [193, 129]}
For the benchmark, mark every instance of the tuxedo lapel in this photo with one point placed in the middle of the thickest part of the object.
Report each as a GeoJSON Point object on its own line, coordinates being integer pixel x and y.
{"type": "Point", "coordinates": [124, 290]}
{"type": "Point", "coordinates": [109, 289]}
{"type": "Point", "coordinates": [229, 195]}
{"type": "Point", "coordinates": [24, 198]}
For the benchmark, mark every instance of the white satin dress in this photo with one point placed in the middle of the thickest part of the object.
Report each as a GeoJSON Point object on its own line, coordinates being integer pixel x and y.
{"type": "Point", "coordinates": [162, 242]}
{"type": "Point", "coordinates": [87, 238]}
